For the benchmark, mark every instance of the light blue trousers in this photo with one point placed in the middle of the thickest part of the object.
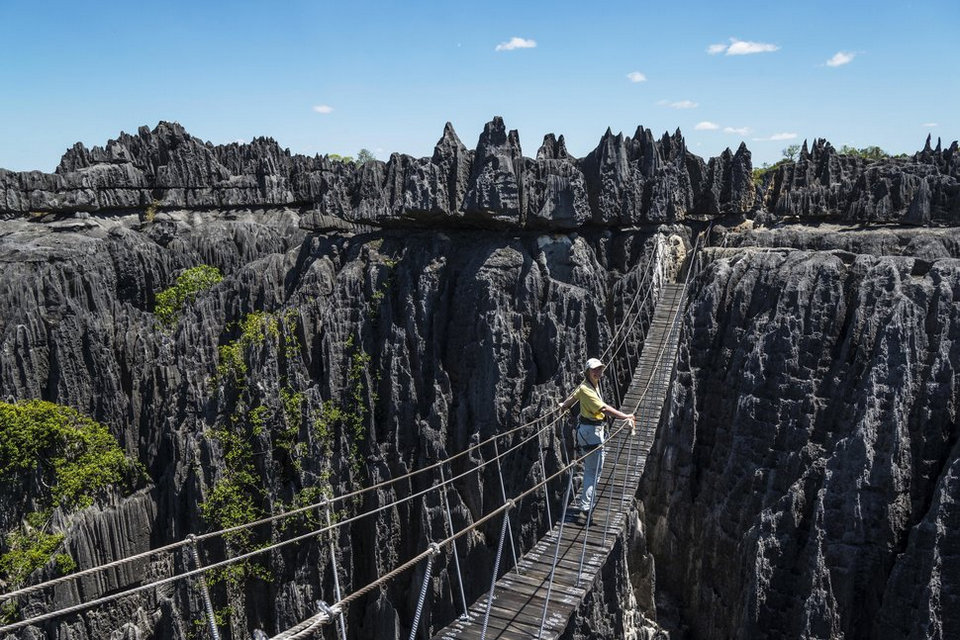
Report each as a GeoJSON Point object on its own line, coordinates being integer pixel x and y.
{"type": "Point", "coordinates": [592, 465]}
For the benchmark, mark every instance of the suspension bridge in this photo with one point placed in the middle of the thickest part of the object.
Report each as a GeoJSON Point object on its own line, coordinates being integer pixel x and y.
{"type": "Point", "coordinates": [537, 595]}
{"type": "Point", "coordinates": [538, 599]}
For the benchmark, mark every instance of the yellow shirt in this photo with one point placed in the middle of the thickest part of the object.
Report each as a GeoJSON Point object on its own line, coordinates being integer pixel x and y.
{"type": "Point", "coordinates": [590, 401]}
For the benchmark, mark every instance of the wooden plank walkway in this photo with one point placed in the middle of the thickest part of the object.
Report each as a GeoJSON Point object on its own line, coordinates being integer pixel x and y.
{"type": "Point", "coordinates": [519, 599]}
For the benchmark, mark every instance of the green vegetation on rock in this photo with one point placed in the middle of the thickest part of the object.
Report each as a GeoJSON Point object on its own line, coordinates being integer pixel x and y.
{"type": "Point", "coordinates": [867, 153]}
{"type": "Point", "coordinates": [364, 156]}
{"type": "Point", "coordinates": [71, 458]}
{"type": "Point", "coordinates": [28, 549]}
{"type": "Point", "coordinates": [189, 284]}
{"type": "Point", "coordinates": [74, 455]}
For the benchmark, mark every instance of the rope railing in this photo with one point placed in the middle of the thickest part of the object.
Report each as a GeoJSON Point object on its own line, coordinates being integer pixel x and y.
{"type": "Point", "coordinates": [380, 581]}
{"type": "Point", "coordinates": [659, 373]}
{"type": "Point", "coordinates": [615, 344]}
{"type": "Point", "coordinates": [504, 509]}
{"type": "Point", "coordinates": [255, 552]}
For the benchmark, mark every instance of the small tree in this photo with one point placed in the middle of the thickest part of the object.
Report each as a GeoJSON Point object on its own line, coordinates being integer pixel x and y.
{"type": "Point", "coordinates": [868, 153]}
{"type": "Point", "coordinates": [364, 156]}
{"type": "Point", "coordinates": [790, 153]}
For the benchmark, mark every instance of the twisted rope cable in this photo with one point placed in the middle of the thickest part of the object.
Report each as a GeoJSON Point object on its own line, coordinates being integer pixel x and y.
{"type": "Point", "coordinates": [245, 556]}
{"type": "Point", "coordinates": [456, 555]}
{"type": "Point", "coordinates": [200, 538]}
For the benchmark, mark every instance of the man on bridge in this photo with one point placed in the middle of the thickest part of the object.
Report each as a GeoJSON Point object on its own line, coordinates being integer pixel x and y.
{"type": "Point", "coordinates": [590, 436]}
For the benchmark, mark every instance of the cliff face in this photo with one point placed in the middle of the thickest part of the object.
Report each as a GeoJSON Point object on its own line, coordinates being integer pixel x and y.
{"type": "Point", "coordinates": [425, 342]}
{"type": "Point", "coordinates": [804, 482]}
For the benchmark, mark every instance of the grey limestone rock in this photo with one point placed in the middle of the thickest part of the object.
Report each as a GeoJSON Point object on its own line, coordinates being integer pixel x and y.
{"type": "Point", "coordinates": [624, 181]}
{"type": "Point", "coordinates": [823, 184]}
{"type": "Point", "coordinates": [462, 332]}
{"type": "Point", "coordinates": [810, 449]}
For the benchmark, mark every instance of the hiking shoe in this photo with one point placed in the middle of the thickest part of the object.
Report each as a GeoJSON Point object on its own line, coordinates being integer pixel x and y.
{"type": "Point", "coordinates": [584, 518]}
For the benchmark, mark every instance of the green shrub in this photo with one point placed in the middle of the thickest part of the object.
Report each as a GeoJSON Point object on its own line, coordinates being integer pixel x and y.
{"type": "Point", "coordinates": [191, 282]}
{"type": "Point", "coordinates": [254, 328]}
{"type": "Point", "coordinates": [73, 457]}
{"type": "Point", "coordinates": [868, 153]}
{"type": "Point", "coordinates": [28, 549]}
{"type": "Point", "coordinates": [151, 211]}
{"type": "Point", "coordinates": [76, 455]}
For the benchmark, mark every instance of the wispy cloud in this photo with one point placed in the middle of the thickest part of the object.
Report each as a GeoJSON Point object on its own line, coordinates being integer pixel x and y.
{"type": "Point", "coordinates": [930, 124]}
{"type": "Point", "coordinates": [841, 58]}
{"type": "Point", "coordinates": [741, 48]}
{"type": "Point", "coordinates": [680, 104]}
{"type": "Point", "coordinates": [516, 43]}
{"type": "Point", "coordinates": [323, 108]}
{"type": "Point", "coordinates": [777, 136]}
{"type": "Point", "coordinates": [636, 76]}
{"type": "Point", "coordinates": [706, 126]}
{"type": "Point", "coordinates": [742, 131]}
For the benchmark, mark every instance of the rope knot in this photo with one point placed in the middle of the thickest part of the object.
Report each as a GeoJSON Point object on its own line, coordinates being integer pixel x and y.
{"type": "Point", "coordinates": [511, 504]}
{"type": "Point", "coordinates": [325, 609]}
{"type": "Point", "coordinates": [434, 549]}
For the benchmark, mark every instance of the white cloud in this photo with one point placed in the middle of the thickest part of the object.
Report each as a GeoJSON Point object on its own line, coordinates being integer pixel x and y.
{"type": "Point", "coordinates": [636, 76]}
{"type": "Point", "coordinates": [930, 124]}
{"type": "Point", "coordinates": [323, 108]}
{"type": "Point", "coordinates": [516, 43]}
{"type": "Point", "coordinates": [841, 58]}
{"type": "Point", "coordinates": [706, 126]}
{"type": "Point", "coordinates": [777, 136]}
{"type": "Point", "coordinates": [681, 104]}
{"type": "Point", "coordinates": [741, 48]}
{"type": "Point", "coordinates": [738, 130]}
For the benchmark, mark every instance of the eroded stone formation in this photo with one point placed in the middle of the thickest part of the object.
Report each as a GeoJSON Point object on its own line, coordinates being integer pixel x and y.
{"type": "Point", "coordinates": [825, 185]}
{"type": "Point", "coordinates": [625, 181]}
{"type": "Point", "coordinates": [803, 481]}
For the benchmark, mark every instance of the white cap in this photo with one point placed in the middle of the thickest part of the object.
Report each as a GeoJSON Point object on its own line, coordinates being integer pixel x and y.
{"type": "Point", "coordinates": [593, 363]}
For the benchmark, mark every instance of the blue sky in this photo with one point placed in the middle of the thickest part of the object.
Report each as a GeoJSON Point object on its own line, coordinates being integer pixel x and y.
{"type": "Point", "coordinates": [335, 77]}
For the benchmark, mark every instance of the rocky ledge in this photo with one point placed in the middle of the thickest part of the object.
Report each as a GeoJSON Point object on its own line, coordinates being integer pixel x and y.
{"type": "Point", "coordinates": [625, 181]}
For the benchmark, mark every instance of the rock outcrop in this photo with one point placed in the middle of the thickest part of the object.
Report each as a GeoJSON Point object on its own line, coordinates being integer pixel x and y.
{"type": "Point", "coordinates": [374, 319]}
{"type": "Point", "coordinates": [424, 343]}
{"type": "Point", "coordinates": [823, 184]}
{"type": "Point", "coordinates": [804, 482]}
{"type": "Point", "coordinates": [625, 181]}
